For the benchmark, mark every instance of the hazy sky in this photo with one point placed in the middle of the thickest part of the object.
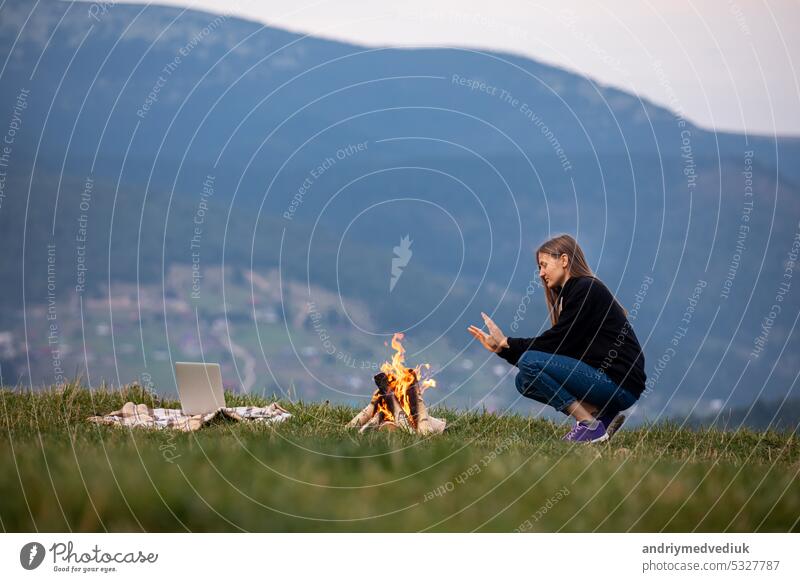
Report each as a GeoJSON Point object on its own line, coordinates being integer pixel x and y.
{"type": "Point", "coordinates": [725, 64]}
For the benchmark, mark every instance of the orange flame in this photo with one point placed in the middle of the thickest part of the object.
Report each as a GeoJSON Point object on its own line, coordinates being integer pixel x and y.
{"type": "Point", "coordinates": [402, 378]}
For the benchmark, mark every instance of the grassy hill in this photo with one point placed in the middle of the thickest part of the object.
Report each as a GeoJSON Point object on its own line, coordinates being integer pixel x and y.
{"type": "Point", "coordinates": [486, 473]}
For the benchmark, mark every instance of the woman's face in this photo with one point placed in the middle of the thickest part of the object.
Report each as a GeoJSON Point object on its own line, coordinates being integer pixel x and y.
{"type": "Point", "coordinates": [553, 270]}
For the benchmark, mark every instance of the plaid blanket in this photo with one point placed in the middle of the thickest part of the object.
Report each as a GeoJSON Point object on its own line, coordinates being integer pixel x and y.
{"type": "Point", "coordinates": [135, 415]}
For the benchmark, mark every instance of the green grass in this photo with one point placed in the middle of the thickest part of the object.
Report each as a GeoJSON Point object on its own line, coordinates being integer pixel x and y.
{"type": "Point", "coordinates": [61, 473]}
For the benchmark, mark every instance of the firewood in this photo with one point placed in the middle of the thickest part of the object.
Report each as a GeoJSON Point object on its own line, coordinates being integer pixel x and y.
{"type": "Point", "coordinates": [362, 417]}
{"type": "Point", "coordinates": [423, 418]}
{"type": "Point", "coordinates": [373, 422]}
{"type": "Point", "coordinates": [414, 396]}
{"type": "Point", "coordinates": [385, 411]}
{"type": "Point", "coordinates": [382, 382]}
{"type": "Point", "coordinates": [436, 425]}
{"type": "Point", "coordinates": [393, 404]}
{"type": "Point", "coordinates": [402, 421]}
{"type": "Point", "coordinates": [367, 412]}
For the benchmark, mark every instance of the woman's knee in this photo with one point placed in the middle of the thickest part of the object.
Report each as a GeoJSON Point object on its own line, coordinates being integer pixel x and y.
{"type": "Point", "coordinates": [533, 361]}
{"type": "Point", "coordinates": [531, 366]}
{"type": "Point", "coordinates": [537, 387]}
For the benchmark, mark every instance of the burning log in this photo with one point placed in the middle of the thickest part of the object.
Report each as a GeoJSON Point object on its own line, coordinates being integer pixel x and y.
{"type": "Point", "coordinates": [382, 382]}
{"type": "Point", "coordinates": [397, 402]}
{"type": "Point", "coordinates": [419, 412]}
{"type": "Point", "coordinates": [370, 409]}
{"type": "Point", "coordinates": [422, 419]}
{"type": "Point", "coordinates": [389, 396]}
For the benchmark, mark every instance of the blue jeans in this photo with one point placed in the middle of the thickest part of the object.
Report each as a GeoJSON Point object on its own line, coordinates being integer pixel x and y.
{"type": "Point", "coordinates": [560, 380]}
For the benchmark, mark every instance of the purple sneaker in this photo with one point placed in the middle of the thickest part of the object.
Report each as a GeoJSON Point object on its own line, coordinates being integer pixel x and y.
{"type": "Point", "coordinates": [587, 432]}
{"type": "Point", "coordinates": [612, 422]}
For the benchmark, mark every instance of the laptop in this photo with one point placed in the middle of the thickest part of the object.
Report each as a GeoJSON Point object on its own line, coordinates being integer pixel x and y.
{"type": "Point", "coordinates": [199, 387]}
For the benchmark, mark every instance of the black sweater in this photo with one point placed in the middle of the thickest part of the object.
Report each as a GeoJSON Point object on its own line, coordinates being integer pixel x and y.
{"type": "Point", "coordinates": [593, 328]}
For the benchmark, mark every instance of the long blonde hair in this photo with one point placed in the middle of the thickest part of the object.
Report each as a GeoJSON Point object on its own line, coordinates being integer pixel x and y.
{"type": "Point", "coordinates": [564, 244]}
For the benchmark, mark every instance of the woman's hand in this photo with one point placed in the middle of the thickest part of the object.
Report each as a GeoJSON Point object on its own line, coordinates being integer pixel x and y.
{"type": "Point", "coordinates": [495, 340]}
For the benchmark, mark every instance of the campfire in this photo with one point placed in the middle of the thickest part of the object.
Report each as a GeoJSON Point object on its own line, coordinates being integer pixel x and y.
{"type": "Point", "coordinates": [397, 402]}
